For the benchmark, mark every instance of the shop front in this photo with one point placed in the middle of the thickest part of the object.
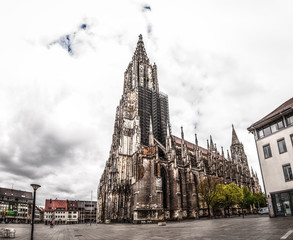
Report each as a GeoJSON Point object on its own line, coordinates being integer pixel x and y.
{"type": "Point", "coordinates": [283, 203]}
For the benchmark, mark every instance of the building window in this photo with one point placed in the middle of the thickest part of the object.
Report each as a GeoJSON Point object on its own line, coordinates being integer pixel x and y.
{"type": "Point", "coordinates": [290, 120]}
{"type": "Point", "coordinates": [282, 146]}
{"type": "Point", "coordinates": [280, 124]}
{"type": "Point", "coordinates": [274, 127]}
{"type": "Point", "coordinates": [291, 136]}
{"type": "Point", "coordinates": [260, 133]}
{"type": "Point", "coordinates": [267, 151]}
{"type": "Point", "coordinates": [287, 172]}
{"type": "Point", "coordinates": [267, 131]}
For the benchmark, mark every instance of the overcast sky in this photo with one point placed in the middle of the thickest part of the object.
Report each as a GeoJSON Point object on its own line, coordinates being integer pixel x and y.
{"type": "Point", "coordinates": [61, 77]}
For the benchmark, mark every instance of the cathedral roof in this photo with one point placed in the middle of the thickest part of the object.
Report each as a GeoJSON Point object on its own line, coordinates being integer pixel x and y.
{"type": "Point", "coordinates": [191, 146]}
{"type": "Point", "coordinates": [279, 111]}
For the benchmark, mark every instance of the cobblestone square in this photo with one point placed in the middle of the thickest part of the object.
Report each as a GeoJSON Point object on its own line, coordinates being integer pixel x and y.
{"type": "Point", "coordinates": [251, 227]}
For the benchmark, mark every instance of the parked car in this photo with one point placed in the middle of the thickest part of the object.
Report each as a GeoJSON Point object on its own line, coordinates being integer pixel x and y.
{"type": "Point", "coordinates": [263, 210]}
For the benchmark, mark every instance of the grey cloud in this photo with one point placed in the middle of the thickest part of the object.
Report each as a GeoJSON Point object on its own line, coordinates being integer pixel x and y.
{"type": "Point", "coordinates": [65, 189]}
{"type": "Point", "coordinates": [36, 147]}
{"type": "Point", "coordinates": [19, 168]}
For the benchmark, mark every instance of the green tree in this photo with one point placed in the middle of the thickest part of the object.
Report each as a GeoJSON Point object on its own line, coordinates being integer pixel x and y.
{"type": "Point", "coordinates": [207, 190]}
{"type": "Point", "coordinates": [259, 200]}
{"type": "Point", "coordinates": [219, 199]}
{"type": "Point", "coordinates": [247, 200]}
{"type": "Point", "coordinates": [227, 196]}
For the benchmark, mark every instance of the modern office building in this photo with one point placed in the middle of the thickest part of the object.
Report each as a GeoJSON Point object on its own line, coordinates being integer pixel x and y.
{"type": "Point", "coordinates": [274, 142]}
{"type": "Point", "coordinates": [87, 211]}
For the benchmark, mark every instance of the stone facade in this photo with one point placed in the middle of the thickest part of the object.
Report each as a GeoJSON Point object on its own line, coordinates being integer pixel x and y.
{"type": "Point", "coordinates": [152, 175]}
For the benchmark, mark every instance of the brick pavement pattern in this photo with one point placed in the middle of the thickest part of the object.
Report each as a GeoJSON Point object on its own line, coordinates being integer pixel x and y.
{"type": "Point", "coordinates": [235, 228]}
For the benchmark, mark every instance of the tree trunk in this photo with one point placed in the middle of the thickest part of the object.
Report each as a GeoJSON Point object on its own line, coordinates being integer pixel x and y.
{"type": "Point", "coordinates": [209, 213]}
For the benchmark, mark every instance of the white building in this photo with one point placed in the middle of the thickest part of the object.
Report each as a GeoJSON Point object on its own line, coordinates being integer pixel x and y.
{"type": "Point", "coordinates": [61, 212]}
{"type": "Point", "coordinates": [72, 217]}
{"type": "Point", "coordinates": [274, 142]}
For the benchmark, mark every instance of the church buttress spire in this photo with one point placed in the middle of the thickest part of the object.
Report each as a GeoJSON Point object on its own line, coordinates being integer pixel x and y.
{"type": "Point", "coordinates": [168, 139]}
{"type": "Point", "coordinates": [212, 146]}
{"type": "Point", "coordinates": [151, 134]}
{"type": "Point", "coordinates": [228, 156]}
{"type": "Point", "coordinates": [182, 143]}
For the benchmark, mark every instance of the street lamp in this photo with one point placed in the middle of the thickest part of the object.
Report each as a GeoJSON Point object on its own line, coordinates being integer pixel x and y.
{"type": "Point", "coordinates": [35, 187]}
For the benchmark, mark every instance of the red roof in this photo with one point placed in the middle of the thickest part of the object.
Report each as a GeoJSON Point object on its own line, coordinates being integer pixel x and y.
{"type": "Point", "coordinates": [72, 205]}
{"type": "Point", "coordinates": [283, 107]}
{"type": "Point", "coordinates": [55, 205]}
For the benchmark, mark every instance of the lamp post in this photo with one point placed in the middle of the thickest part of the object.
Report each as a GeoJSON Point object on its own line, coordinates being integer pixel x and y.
{"type": "Point", "coordinates": [35, 187]}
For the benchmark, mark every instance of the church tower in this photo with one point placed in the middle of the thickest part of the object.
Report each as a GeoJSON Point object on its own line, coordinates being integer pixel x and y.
{"type": "Point", "coordinates": [237, 150]}
{"type": "Point", "coordinates": [131, 179]}
{"type": "Point", "coordinates": [241, 171]}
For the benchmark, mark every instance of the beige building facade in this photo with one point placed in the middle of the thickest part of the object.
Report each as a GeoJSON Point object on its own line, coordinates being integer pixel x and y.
{"type": "Point", "coordinates": [274, 142]}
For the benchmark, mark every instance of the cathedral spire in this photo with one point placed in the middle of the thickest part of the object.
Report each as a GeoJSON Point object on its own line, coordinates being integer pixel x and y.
{"type": "Point", "coordinates": [228, 156]}
{"type": "Point", "coordinates": [182, 134]}
{"type": "Point", "coordinates": [168, 139]}
{"type": "Point", "coordinates": [224, 165]}
{"type": "Point", "coordinates": [252, 173]}
{"type": "Point", "coordinates": [182, 143]}
{"type": "Point", "coordinates": [235, 139]}
{"type": "Point", "coordinates": [140, 53]}
{"type": "Point", "coordinates": [223, 155]}
{"type": "Point", "coordinates": [212, 146]}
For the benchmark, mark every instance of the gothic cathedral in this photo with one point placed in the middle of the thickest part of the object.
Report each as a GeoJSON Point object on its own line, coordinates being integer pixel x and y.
{"type": "Point", "coordinates": [152, 175]}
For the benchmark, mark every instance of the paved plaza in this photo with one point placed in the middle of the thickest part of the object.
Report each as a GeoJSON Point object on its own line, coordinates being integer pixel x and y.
{"type": "Point", "coordinates": [252, 227]}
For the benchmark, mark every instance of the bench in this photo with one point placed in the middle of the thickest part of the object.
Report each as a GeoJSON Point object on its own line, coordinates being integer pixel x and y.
{"type": "Point", "coordinates": [7, 233]}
